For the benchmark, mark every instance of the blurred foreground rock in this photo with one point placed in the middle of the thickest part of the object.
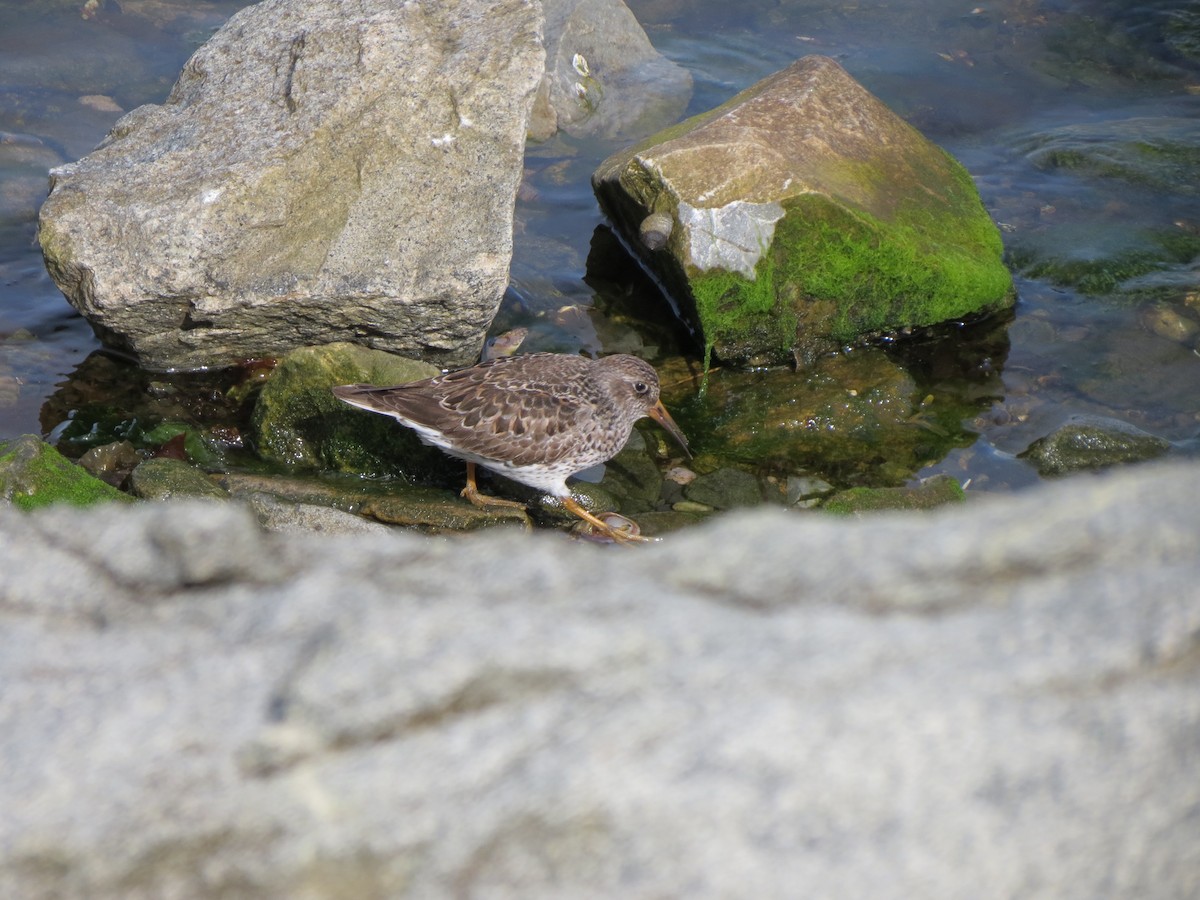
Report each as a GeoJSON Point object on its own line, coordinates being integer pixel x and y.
{"type": "Point", "coordinates": [321, 171]}
{"type": "Point", "coordinates": [1000, 700]}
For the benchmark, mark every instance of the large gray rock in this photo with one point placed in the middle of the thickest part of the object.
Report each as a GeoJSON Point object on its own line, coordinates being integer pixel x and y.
{"type": "Point", "coordinates": [996, 701]}
{"type": "Point", "coordinates": [323, 170]}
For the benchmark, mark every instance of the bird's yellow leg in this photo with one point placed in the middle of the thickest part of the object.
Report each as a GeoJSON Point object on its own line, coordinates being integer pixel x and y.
{"type": "Point", "coordinates": [471, 492]}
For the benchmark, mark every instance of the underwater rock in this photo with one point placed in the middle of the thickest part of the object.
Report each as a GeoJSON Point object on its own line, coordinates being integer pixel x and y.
{"type": "Point", "coordinates": [112, 463]}
{"type": "Point", "coordinates": [321, 171]}
{"type": "Point", "coordinates": [806, 215]}
{"type": "Point", "coordinates": [1092, 442]}
{"type": "Point", "coordinates": [852, 418]}
{"type": "Point", "coordinates": [1107, 169]}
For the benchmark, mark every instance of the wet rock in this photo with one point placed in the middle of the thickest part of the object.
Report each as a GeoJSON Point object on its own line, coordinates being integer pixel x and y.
{"type": "Point", "coordinates": [1168, 322]}
{"type": "Point", "coordinates": [319, 172]}
{"type": "Point", "coordinates": [856, 418]}
{"type": "Point", "coordinates": [345, 494]}
{"type": "Point", "coordinates": [34, 474]}
{"type": "Point", "coordinates": [806, 490]}
{"type": "Point", "coordinates": [298, 423]}
{"type": "Point", "coordinates": [436, 511]}
{"type": "Point", "coordinates": [595, 498]}
{"type": "Point", "coordinates": [659, 522]}
{"type": "Point", "coordinates": [603, 77]}
{"type": "Point", "coordinates": [725, 488]}
{"type": "Point", "coordinates": [164, 479]}
{"type": "Point", "coordinates": [278, 515]}
{"type": "Point", "coordinates": [111, 463]}
{"type": "Point", "coordinates": [792, 203]}
{"type": "Point", "coordinates": [1028, 664]}
{"type": "Point", "coordinates": [633, 476]}
{"type": "Point", "coordinates": [1092, 442]}
{"type": "Point", "coordinates": [936, 491]}
{"type": "Point", "coordinates": [390, 502]}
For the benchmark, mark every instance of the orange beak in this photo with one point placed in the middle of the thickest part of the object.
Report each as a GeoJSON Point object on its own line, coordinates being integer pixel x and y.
{"type": "Point", "coordinates": [659, 414]}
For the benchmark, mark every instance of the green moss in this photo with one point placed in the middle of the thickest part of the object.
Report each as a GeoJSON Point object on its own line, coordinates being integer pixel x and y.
{"type": "Point", "coordinates": [737, 313]}
{"type": "Point", "coordinates": [835, 274]}
{"type": "Point", "coordinates": [297, 422]}
{"type": "Point", "coordinates": [1105, 274]}
{"type": "Point", "coordinates": [33, 475]}
{"type": "Point", "coordinates": [936, 491]}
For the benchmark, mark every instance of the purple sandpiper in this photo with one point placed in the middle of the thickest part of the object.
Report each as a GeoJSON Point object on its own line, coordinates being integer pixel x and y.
{"type": "Point", "coordinates": [537, 418]}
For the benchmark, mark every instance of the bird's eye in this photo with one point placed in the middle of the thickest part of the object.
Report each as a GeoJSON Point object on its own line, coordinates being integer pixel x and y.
{"type": "Point", "coordinates": [639, 387]}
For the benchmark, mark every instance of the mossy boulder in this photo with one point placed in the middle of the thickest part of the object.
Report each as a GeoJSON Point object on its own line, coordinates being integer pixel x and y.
{"type": "Point", "coordinates": [802, 215]}
{"type": "Point", "coordinates": [33, 474]}
{"type": "Point", "coordinates": [297, 423]}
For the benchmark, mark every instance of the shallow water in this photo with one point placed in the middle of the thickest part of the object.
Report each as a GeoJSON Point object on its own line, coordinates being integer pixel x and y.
{"type": "Point", "coordinates": [987, 81]}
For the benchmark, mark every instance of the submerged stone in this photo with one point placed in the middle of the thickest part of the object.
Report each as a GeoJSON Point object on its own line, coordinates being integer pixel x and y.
{"type": "Point", "coordinates": [111, 463]}
{"type": "Point", "coordinates": [33, 474]}
{"type": "Point", "coordinates": [806, 215]}
{"type": "Point", "coordinates": [1093, 442]}
{"type": "Point", "coordinates": [854, 419]}
{"type": "Point", "coordinates": [1109, 168]}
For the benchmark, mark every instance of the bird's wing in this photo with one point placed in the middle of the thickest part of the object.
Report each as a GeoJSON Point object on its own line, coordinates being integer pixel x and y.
{"type": "Point", "coordinates": [495, 411]}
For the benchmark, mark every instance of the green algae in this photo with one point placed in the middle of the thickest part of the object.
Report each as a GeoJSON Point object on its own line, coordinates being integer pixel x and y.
{"type": "Point", "coordinates": [297, 423]}
{"type": "Point", "coordinates": [835, 274]}
{"type": "Point", "coordinates": [856, 419]}
{"type": "Point", "coordinates": [936, 491]}
{"type": "Point", "coordinates": [1107, 273]}
{"type": "Point", "coordinates": [34, 474]}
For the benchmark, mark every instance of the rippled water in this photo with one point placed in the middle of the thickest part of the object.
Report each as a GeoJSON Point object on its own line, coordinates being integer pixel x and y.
{"type": "Point", "coordinates": [1010, 88]}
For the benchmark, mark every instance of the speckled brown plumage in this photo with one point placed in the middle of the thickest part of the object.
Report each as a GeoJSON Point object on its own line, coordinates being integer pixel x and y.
{"type": "Point", "coordinates": [537, 418]}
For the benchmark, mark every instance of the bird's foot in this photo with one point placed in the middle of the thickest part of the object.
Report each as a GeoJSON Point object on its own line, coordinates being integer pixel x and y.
{"type": "Point", "coordinates": [483, 501]}
{"type": "Point", "coordinates": [613, 526]}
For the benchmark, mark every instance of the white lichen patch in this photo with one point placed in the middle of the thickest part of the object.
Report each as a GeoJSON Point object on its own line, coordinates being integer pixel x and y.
{"type": "Point", "coordinates": [732, 237]}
